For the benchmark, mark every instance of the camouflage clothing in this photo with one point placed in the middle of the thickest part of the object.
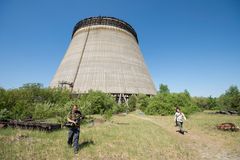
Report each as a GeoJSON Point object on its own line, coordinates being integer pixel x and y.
{"type": "Point", "coordinates": [74, 132]}
{"type": "Point", "coordinates": [75, 116]}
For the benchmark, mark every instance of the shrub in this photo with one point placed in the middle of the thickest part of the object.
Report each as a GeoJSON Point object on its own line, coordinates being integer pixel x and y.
{"type": "Point", "coordinates": [4, 114]}
{"type": "Point", "coordinates": [159, 104]}
{"type": "Point", "coordinates": [142, 102]}
{"type": "Point", "coordinates": [203, 103]}
{"type": "Point", "coordinates": [22, 109]}
{"type": "Point", "coordinates": [165, 104]}
{"type": "Point", "coordinates": [119, 108]}
{"type": "Point", "coordinates": [132, 102]}
{"type": "Point", "coordinates": [41, 103]}
{"type": "Point", "coordinates": [108, 114]}
{"type": "Point", "coordinates": [96, 102]}
{"type": "Point", "coordinates": [42, 111]}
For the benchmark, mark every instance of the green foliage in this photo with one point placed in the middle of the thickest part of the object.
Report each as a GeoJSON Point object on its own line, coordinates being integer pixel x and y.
{"type": "Point", "coordinates": [3, 98]}
{"type": "Point", "coordinates": [31, 99]}
{"type": "Point", "coordinates": [187, 93]}
{"type": "Point", "coordinates": [164, 89]}
{"type": "Point", "coordinates": [42, 111]}
{"type": "Point", "coordinates": [4, 114]}
{"type": "Point", "coordinates": [211, 103]}
{"type": "Point", "coordinates": [165, 104]}
{"type": "Point", "coordinates": [120, 108]}
{"type": "Point", "coordinates": [132, 102]}
{"type": "Point", "coordinates": [44, 103]}
{"type": "Point", "coordinates": [108, 114]}
{"type": "Point", "coordinates": [230, 100]}
{"type": "Point", "coordinates": [201, 102]}
{"type": "Point", "coordinates": [142, 102]}
{"type": "Point", "coordinates": [96, 102]}
{"type": "Point", "coordinates": [204, 103]}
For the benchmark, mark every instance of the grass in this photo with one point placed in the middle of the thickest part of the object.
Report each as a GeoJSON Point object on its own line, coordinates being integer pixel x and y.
{"type": "Point", "coordinates": [135, 137]}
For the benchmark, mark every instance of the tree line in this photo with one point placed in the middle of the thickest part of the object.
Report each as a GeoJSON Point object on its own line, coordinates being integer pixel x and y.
{"type": "Point", "coordinates": [33, 100]}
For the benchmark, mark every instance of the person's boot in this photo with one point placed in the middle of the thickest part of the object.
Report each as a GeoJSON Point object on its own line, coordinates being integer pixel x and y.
{"type": "Point", "coordinates": [182, 131]}
{"type": "Point", "coordinates": [75, 151]}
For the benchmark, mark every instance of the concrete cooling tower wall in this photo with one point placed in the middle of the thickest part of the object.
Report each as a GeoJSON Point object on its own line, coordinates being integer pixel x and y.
{"type": "Point", "coordinates": [104, 55]}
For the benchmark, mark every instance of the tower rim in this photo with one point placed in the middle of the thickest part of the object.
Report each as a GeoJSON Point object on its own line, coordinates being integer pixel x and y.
{"type": "Point", "coordinates": [105, 20]}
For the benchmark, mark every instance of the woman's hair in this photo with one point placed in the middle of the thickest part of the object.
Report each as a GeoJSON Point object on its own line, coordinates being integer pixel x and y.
{"type": "Point", "coordinates": [74, 105]}
{"type": "Point", "coordinates": [177, 108]}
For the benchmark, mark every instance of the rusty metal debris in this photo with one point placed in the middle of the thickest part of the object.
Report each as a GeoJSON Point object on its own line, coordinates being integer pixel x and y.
{"type": "Point", "coordinates": [31, 125]}
{"type": "Point", "coordinates": [227, 112]}
{"type": "Point", "coordinates": [228, 127]}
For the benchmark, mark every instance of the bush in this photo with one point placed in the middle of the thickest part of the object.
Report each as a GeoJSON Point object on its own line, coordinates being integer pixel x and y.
{"type": "Point", "coordinates": [165, 104]}
{"type": "Point", "coordinates": [42, 103]}
{"type": "Point", "coordinates": [132, 102]}
{"type": "Point", "coordinates": [22, 109]}
{"type": "Point", "coordinates": [120, 108]}
{"type": "Point", "coordinates": [205, 103]}
{"type": "Point", "coordinates": [108, 114]}
{"type": "Point", "coordinates": [96, 102]}
{"type": "Point", "coordinates": [142, 102]}
{"type": "Point", "coordinates": [42, 111]}
{"type": "Point", "coordinates": [4, 114]}
{"type": "Point", "coordinates": [30, 98]}
{"type": "Point", "coordinates": [159, 104]}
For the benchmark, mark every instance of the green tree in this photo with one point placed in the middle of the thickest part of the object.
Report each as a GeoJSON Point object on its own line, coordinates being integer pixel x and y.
{"type": "Point", "coordinates": [186, 92]}
{"type": "Point", "coordinates": [3, 98]}
{"type": "Point", "coordinates": [211, 103]}
{"type": "Point", "coordinates": [201, 102]}
{"type": "Point", "coordinates": [164, 89]}
{"type": "Point", "coordinates": [230, 100]}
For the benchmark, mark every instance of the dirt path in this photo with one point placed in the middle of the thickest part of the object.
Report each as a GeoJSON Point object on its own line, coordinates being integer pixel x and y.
{"type": "Point", "coordinates": [205, 146]}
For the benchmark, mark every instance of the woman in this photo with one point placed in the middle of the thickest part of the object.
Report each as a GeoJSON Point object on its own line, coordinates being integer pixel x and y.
{"type": "Point", "coordinates": [179, 118]}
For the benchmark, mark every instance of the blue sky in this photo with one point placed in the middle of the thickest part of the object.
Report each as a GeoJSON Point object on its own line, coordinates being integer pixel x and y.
{"type": "Point", "coordinates": [187, 44]}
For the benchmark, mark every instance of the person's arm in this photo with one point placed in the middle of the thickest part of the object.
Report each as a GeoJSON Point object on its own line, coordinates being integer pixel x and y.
{"type": "Point", "coordinates": [175, 116]}
{"type": "Point", "coordinates": [184, 117]}
{"type": "Point", "coordinates": [69, 120]}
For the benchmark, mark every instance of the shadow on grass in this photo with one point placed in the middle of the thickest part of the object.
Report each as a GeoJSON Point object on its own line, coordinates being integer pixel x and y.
{"type": "Point", "coordinates": [181, 132]}
{"type": "Point", "coordinates": [121, 123]}
{"type": "Point", "coordinates": [86, 144]}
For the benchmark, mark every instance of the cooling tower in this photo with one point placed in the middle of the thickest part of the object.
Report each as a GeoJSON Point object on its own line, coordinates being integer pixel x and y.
{"type": "Point", "coordinates": [104, 55]}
